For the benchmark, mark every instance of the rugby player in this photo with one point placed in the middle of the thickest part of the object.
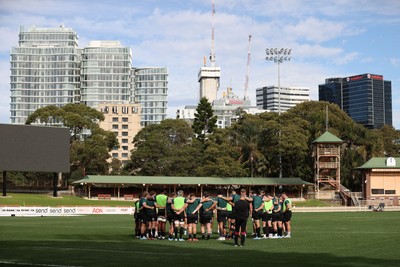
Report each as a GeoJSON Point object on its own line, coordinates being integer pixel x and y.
{"type": "Point", "coordinates": [257, 210]}
{"type": "Point", "coordinates": [287, 214]}
{"type": "Point", "coordinates": [222, 215]}
{"type": "Point", "coordinates": [143, 216]}
{"type": "Point", "coordinates": [178, 205]}
{"type": "Point", "coordinates": [161, 202]}
{"type": "Point", "coordinates": [170, 216]}
{"type": "Point", "coordinates": [241, 213]}
{"type": "Point", "coordinates": [136, 216]}
{"type": "Point", "coordinates": [267, 216]}
{"type": "Point", "coordinates": [206, 215]}
{"type": "Point", "coordinates": [192, 207]}
{"type": "Point", "coordinates": [150, 208]}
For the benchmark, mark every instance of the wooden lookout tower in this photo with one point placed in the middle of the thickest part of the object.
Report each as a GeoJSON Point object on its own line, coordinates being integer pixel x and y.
{"type": "Point", "coordinates": [326, 153]}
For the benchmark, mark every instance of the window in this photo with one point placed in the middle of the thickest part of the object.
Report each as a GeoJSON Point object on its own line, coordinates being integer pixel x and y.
{"type": "Point", "coordinates": [125, 110]}
{"type": "Point", "coordinates": [124, 155]}
{"type": "Point", "coordinates": [124, 133]}
{"type": "Point", "coordinates": [390, 192]}
{"type": "Point", "coordinates": [115, 155]}
{"type": "Point", "coordinates": [124, 119]}
{"type": "Point", "coordinates": [115, 110]}
{"type": "Point", "coordinates": [124, 126]}
{"type": "Point", "coordinates": [124, 141]}
{"type": "Point", "coordinates": [115, 119]}
{"type": "Point", "coordinates": [115, 126]}
{"type": "Point", "coordinates": [124, 147]}
{"type": "Point", "coordinates": [377, 191]}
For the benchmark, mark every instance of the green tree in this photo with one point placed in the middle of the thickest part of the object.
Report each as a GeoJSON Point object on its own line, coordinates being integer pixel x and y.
{"type": "Point", "coordinates": [167, 148]}
{"type": "Point", "coordinates": [89, 145]}
{"type": "Point", "coordinates": [204, 121]}
{"type": "Point", "coordinates": [221, 158]}
{"type": "Point", "coordinates": [390, 140]}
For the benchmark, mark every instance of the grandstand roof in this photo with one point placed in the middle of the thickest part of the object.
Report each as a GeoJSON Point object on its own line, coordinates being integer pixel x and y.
{"type": "Point", "coordinates": [179, 180]}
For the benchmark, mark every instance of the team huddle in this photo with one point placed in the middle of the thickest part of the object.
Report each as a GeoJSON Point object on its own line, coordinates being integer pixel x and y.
{"type": "Point", "coordinates": [272, 214]}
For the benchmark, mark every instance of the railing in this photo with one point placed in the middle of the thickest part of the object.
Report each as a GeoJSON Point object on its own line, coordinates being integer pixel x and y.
{"type": "Point", "coordinates": [328, 165]}
{"type": "Point", "coordinates": [328, 151]}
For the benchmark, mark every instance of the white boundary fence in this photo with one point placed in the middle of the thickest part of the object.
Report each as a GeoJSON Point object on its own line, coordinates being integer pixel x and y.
{"type": "Point", "coordinates": [63, 211]}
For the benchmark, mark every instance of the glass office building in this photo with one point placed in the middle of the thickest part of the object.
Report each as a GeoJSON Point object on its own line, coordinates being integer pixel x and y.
{"type": "Point", "coordinates": [105, 73]}
{"type": "Point", "coordinates": [44, 70]}
{"type": "Point", "coordinates": [366, 98]}
{"type": "Point", "coordinates": [151, 91]}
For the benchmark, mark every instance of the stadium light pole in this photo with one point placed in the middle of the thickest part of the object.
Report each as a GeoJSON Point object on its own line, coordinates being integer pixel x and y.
{"type": "Point", "coordinates": [278, 56]}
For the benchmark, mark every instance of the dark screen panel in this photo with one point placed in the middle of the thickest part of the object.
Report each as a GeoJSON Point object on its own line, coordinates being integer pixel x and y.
{"type": "Point", "coordinates": [34, 148]}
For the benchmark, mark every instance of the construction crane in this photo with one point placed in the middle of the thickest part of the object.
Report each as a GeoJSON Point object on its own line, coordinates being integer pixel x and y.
{"type": "Point", "coordinates": [246, 84]}
{"type": "Point", "coordinates": [212, 54]}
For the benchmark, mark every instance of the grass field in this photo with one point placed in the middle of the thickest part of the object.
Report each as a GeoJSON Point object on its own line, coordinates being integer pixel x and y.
{"type": "Point", "coordinates": [318, 239]}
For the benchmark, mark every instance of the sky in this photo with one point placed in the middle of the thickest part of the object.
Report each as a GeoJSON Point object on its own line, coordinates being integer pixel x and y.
{"type": "Point", "coordinates": [330, 38]}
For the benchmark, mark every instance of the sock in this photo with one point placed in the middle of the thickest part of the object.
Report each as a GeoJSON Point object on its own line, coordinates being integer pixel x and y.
{"type": "Point", "coordinates": [208, 236]}
{"type": "Point", "coordinates": [203, 235]}
{"type": "Point", "coordinates": [181, 233]}
{"type": "Point", "coordinates": [258, 231]}
{"type": "Point", "coordinates": [288, 234]}
{"type": "Point", "coordinates": [265, 230]}
{"type": "Point", "coordinates": [194, 236]}
{"type": "Point", "coordinates": [153, 232]}
{"type": "Point", "coordinates": [190, 236]}
{"type": "Point", "coordinates": [270, 230]}
{"type": "Point", "coordinates": [149, 232]}
{"type": "Point", "coordinates": [169, 235]}
{"type": "Point", "coordinates": [279, 231]}
{"type": "Point", "coordinates": [236, 239]}
{"type": "Point", "coordinates": [242, 239]}
{"type": "Point", "coordinates": [176, 231]}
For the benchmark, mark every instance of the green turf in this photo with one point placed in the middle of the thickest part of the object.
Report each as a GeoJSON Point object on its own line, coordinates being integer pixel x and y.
{"type": "Point", "coordinates": [319, 239]}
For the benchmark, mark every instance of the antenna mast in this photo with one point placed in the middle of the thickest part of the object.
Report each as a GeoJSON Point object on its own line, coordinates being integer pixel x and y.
{"type": "Point", "coordinates": [246, 84]}
{"type": "Point", "coordinates": [212, 54]}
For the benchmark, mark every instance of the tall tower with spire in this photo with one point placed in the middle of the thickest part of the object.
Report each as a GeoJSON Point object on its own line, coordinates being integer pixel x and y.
{"type": "Point", "coordinates": [209, 75]}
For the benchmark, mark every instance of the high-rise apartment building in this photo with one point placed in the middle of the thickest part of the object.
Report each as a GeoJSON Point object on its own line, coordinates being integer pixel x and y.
{"type": "Point", "coordinates": [48, 68]}
{"type": "Point", "coordinates": [281, 99]}
{"type": "Point", "coordinates": [151, 91]}
{"type": "Point", "coordinates": [209, 82]}
{"type": "Point", "coordinates": [124, 121]}
{"type": "Point", "coordinates": [105, 73]}
{"type": "Point", "coordinates": [366, 98]}
{"type": "Point", "coordinates": [44, 70]}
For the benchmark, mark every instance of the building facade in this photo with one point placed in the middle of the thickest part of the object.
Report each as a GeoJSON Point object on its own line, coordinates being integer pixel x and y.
{"type": "Point", "coordinates": [44, 70]}
{"type": "Point", "coordinates": [381, 181]}
{"type": "Point", "coordinates": [151, 91]}
{"type": "Point", "coordinates": [281, 99]}
{"type": "Point", "coordinates": [124, 121]}
{"type": "Point", "coordinates": [366, 98]}
{"type": "Point", "coordinates": [105, 73]}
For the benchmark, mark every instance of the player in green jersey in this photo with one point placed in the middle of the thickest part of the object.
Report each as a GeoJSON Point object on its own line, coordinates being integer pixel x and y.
{"type": "Point", "coordinates": [150, 208]}
{"type": "Point", "coordinates": [161, 202]}
{"type": "Point", "coordinates": [192, 207]}
{"type": "Point", "coordinates": [206, 214]}
{"type": "Point", "coordinates": [222, 215]}
{"type": "Point", "coordinates": [267, 216]}
{"type": "Point", "coordinates": [178, 205]}
{"type": "Point", "coordinates": [257, 207]}
{"type": "Point", "coordinates": [143, 215]}
{"type": "Point", "coordinates": [287, 214]}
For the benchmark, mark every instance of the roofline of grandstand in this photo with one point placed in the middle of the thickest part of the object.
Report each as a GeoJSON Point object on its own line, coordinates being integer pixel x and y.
{"type": "Point", "coordinates": [181, 180]}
